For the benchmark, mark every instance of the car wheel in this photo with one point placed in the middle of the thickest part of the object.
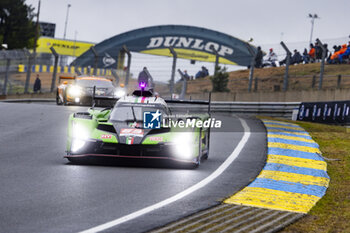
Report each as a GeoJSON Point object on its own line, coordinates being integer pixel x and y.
{"type": "Point", "coordinates": [65, 103]}
{"type": "Point", "coordinates": [199, 157]}
{"type": "Point", "coordinates": [206, 155]}
{"type": "Point", "coordinates": [76, 160]}
{"type": "Point", "coordinates": [58, 99]}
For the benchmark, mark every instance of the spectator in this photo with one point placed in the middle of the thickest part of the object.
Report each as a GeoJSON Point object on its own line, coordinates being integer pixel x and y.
{"type": "Point", "coordinates": [205, 71]}
{"type": "Point", "coordinates": [306, 57]}
{"type": "Point", "coordinates": [318, 52]}
{"type": "Point", "coordinates": [199, 74]}
{"type": "Point", "coordinates": [336, 54]}
{"type": "Point", "coordinates": [258, 58]}
{"type": "Point", "coordinates": [37, 84]}
{"type": "Point", "coordinates": [272, 57]}
{"type": "Point", "coordinates": [296, 58]}
{"type": "Point", "coordinates": [312, 53]}
{"type": "Point", "coordinates": [284, 61]}
{"type": "Point", "coordinates": [202, 73]}
{"type": "Point", "coordinates": [335, 48]}
{"type": "Point", "coordinates": [186, 76]}
{"type": "Point", "coordinates": [345, 54]}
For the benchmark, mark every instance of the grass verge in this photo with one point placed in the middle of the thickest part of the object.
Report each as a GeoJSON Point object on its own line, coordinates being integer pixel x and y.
{"type": "Point", "coordinates": [332, 212]}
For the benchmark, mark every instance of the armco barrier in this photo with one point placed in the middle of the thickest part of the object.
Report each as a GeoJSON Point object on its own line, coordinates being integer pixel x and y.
{"type": "Point", "coordinates": [275, 109]}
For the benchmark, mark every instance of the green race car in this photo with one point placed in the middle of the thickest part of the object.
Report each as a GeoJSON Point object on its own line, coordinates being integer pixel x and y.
{"type": "Point", "coordinates": [138, 126]}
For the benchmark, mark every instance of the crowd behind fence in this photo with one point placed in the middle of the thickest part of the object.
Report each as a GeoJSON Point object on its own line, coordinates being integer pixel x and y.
{"type": "Point", "coordinates": [15, 64]}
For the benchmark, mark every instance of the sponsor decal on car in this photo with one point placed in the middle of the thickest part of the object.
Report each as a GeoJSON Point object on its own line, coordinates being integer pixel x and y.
{"type": "Point", "coordinates": [127, 132]}
{"type": "Point", "coordinates": [156, 139]}
{"type": "Point", "coordinates": [130, 140]}
{"type": "Point", "coordinates": [106, 136]}
{"type": "Point", "coordinates": [134, 125]}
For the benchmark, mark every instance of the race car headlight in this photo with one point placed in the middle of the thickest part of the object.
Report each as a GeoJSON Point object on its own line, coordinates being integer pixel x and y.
{"type": "Point", "coordinates": [119, 93]}
{"type": "Point", "coordinates": [79, 136]}
{"type": "Point", "coordinates": [80, 132]}
{"type": "Point", "coordinates": [183, 145]}
{"type": "Point", "coordinates": [74, 91]}
{"type": "Point", "coordinates": [77, 144]}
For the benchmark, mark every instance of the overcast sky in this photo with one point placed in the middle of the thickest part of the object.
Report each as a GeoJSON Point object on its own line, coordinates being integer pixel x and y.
{"type": "Point", "coordinates": [266, 21]}
{"type": "Point", "coordinates": [263, 20]}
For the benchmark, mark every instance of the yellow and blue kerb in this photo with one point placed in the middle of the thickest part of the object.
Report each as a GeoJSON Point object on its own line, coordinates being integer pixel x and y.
{"type": "Point", "coordinates": [295, 175]}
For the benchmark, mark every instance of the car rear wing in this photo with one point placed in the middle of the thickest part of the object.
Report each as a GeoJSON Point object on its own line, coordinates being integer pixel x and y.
{"type": "Point", "coordinates": [193, 102]}
{"type": "Point", "coordinates": [102, 101]}
{"type": "Point", "coordinates": [65, 78]}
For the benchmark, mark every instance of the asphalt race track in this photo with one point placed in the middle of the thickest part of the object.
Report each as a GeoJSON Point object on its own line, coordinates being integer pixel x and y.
{"type": "Point", "coordinates": [42, 192]}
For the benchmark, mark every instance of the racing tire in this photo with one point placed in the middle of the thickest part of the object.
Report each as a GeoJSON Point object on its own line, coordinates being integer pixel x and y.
{"type": "Point", "coordinates": [58, 100]}
{"type": "Point", "coordinates": [206, 155]}
{"type": "Point", "coordinates": [65, 103]}
{"type": "Point", "coordinates": [72, 160]}
{"type": "Point", "coordinates": [200, 152]}
{"type": "Point", "coordinates": [77, 161]}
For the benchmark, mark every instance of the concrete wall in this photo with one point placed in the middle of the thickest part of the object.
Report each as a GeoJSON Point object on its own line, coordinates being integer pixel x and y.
{"type": "Point", "coordinates": [289, 96]}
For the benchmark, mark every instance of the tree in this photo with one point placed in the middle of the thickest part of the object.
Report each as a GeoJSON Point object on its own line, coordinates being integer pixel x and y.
{"type": "Point", "coordinates": [220, 80]}
{"type": "Point", "coordinates": [17, 28]}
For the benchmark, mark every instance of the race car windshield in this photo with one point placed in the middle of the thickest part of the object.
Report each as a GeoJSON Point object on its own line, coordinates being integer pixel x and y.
{"type": "Point", "coordinates": [91, 83]}
{"type": "Point", "coordinates": [132, 113]}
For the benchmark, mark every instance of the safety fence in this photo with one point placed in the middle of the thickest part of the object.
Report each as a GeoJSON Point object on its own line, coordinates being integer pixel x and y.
{"type": "Point", "coordinates": [17, 78]}
{"type": "Point", "coordinates": [15, 63]}
{"type": "Point", "coordinates": [300, 82]}
{"type": "Point", "coordinates": [63, 69]}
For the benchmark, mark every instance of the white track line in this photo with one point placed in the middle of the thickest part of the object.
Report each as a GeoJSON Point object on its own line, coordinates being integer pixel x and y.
{"type": "Point", "coordinates": [184, 193]}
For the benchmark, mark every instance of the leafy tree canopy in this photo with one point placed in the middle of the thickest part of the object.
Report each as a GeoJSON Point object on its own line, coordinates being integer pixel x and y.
{"type": "Point", "coordinates": [17, 28]}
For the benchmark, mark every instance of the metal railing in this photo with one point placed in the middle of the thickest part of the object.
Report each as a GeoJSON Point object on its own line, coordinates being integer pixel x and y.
{"type": "Point", "coordinates": [275, 109]}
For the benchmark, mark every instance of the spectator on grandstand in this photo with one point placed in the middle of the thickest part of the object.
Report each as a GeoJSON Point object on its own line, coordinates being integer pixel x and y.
{"type": "Point", "coordinates": [284, 61]}
{"type": "Point", "coordinates": [318, 52]}
{"type": "Point", "coordinates": [272, 57]}
{"type": "Point", "coordinates": [329, 59]}
{"type": "Point", "coordinates": [306, 57]}
{"type": "Point", "coordinates": [205, 71]}
{"type": "Point", "coordinates": [296, 58]}
{"type": "Point", "coordinates": [312, 53]}
{"type": "Point", "coordinates": [199, 75]}
{"type": "Point", "coordinates": [258, 58]}
{"type": "Point", "coordinates": [335, 56]}
{"type": "Point", "coordinates": [186, 76]}
{"type": "Point", "coordinates": [37, 84]}
{"type": "Point", "coordinates": [345, 54]}
{"type": "Point", "coordinates": [335, 48]}
{"type": "Point", "coordinates": [202, 73]}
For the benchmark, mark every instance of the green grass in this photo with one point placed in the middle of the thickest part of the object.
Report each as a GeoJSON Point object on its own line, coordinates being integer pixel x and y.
{"type": "Point", "coordinates": [332, 212]}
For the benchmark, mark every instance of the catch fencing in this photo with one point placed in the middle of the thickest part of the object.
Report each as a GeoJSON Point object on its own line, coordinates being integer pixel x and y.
{"type": "Point", "coordinates": [18, 69]}
{"type": "Point", "coordinates": [300, 82]}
